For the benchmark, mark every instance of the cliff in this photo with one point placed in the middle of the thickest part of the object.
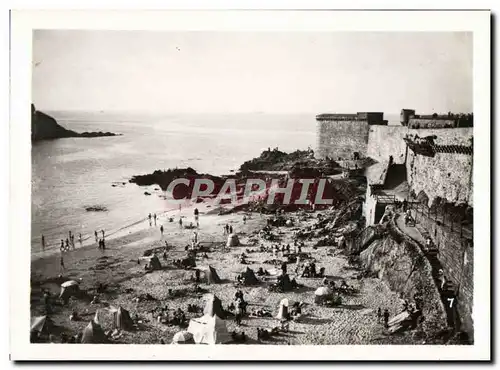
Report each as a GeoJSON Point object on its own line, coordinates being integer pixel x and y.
{"type": "Point", "coordinates": [45, 127]}
{"type": "Point", "coordinates": [397, 260]}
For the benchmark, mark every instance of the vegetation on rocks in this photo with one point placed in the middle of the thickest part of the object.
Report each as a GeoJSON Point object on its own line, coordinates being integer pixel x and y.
{"type": "Point", "coordinates": [299, 162]}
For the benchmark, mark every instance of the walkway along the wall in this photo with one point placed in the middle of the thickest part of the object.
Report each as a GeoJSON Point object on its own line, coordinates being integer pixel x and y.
{"type": "Point", "coordinates": [449, 290]}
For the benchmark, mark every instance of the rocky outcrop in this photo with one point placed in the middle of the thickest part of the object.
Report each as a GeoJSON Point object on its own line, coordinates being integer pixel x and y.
{"type": "Point", "coordinates": [164, 178]}
{"type": "Point", "coordinates": [300, 163]}
{"type": "Point", "coordinates": [357, 241]}
{"type": "Point", "coordinates": [45, 127]}
{"type": "Point", "coordinates": [401, 263]}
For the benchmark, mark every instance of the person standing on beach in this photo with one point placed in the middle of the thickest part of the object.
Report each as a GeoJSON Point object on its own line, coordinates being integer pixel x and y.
{"type": "Point", "coordinates": [155, 218]}
{"type": "Point", "coordinates": [62, 263]}
{"type": "Point", "coordinates": [149, 217]}
{"type": "Point", "coordinates": [43, 243]}
{"type": "Point", "coordinates": [96, 238]}
{"type": "Point", "coordinates": [180, 222]}
{"type": "Point", "coordinates": [386, 318]}
{"type": "Point", "coordinates": [161, 231]}
{"type": "Point", "coordinates": [244, 219]}
{"type": "Point", "coordinates": [230, 229]}
{"type": "Point", "coordinates": [196, 217]}
{"type": "Point", "coordinates": [80, 239]}
{"type": "Point", "coordinates": [67, 244]}
{"type": "Point", "coordinates": [102, 231]}
{"type": "Point", "coordinates": [62, 246]}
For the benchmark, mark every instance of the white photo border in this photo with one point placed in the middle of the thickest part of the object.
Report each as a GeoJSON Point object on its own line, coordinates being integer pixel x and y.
{"type": "Point", "coordinates": [23, 22]}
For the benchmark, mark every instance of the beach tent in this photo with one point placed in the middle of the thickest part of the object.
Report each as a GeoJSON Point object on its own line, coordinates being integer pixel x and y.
{"type": "Point", "coordinates": [68, 289]}
{"type": "Point", "coordinates": [322, 294]}
{"type": "Point", "coordinates": [209, 330]}
{"type": "Point", "coordinates": [189, 261]}
{"type": "Point", "coordinates": [69, 283]}
{"type": "Point", "coordinates": [213, 306]}
{"type": "Point", "coordinates": [122, 319]}
{"type": "Point", "coordinates": [154, 263]}
{"type": "Point", "coordinates": [399, 322]}
{"type": "Point", "coordinates": [212, 276]}
{"type": "Point", "coordinates": [41, 324]}
{"type": "Point", "coordinates": [249, 277]}
{"type": "Point", "coordinates": [283, 310]}
{"type": "Point", "coordinates": [183, 337]}
{"type": "Point", "coordinates": [93, 333]}
{"type": "Point", "coordinates": [285, 283]}
{"type": "Point", "coordinates": [232, 240]}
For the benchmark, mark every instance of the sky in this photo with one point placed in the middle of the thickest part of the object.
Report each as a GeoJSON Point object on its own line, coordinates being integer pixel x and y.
{"type": "Point", "coordinates": [243, 72]}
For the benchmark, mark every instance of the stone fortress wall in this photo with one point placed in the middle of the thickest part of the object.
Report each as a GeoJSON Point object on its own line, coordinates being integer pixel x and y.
{"type": "Point", "coordinates": [445, 175]}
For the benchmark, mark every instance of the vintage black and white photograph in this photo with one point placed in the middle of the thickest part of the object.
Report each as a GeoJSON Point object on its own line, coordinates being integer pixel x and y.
{"type": "Point", "coordinates": [271, 188]}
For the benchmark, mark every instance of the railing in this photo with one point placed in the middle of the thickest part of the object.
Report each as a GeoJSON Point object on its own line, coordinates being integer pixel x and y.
{"type": "Point", "coordinates": [445, 219]}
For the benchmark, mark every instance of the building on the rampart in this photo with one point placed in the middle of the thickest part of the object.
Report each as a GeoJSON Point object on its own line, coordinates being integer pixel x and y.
{"type": "Point", "coordinates": [427, 161]}
{"type": "Point", "coordinates": [409, 118]}
{"type": "Point", "coordinates": [345, 136]}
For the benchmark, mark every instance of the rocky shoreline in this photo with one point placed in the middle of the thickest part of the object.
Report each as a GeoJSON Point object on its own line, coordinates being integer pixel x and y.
{"type": "Point", "coordinates": [45, 127]}
{"type": "Point", "coordinates": [270, 165]}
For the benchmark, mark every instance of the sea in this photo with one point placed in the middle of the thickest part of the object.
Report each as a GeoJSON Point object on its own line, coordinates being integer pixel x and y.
{"type": "Point", "coordinates": [71, 174]}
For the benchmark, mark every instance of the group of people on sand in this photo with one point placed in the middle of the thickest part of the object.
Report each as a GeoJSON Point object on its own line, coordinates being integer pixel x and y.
{"type": "Point", "coordinates": [240, 307]}
{"type": "Point", "coordinates": [65, 245]}
{"type": "Point", "coordinates": [150, 217]}
{"type": "Point", "coordinates": [384, 315]}
{"type": "Point", "coordinates": [228, 229]}
{"type": "Point", "coordinates": [178, 317]}
{"type": "Point", "coordinates": [191, 225]}
{"type": "Point", "coordinates": [101, 244]}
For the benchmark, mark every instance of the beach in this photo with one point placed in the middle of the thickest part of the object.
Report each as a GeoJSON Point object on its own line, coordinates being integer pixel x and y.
{"type": "Point", "coordinates": [355, 321]}
{"type": "Point", "coordinates": [71, 174]}
{"type": "Point", "coordinates": [120, 268]}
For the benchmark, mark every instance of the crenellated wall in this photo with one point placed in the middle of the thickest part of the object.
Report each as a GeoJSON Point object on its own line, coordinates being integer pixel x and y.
{"type": "Point", "coordinates": [424, 123]}
{"type": "Point", "coordinates": [446, 175]}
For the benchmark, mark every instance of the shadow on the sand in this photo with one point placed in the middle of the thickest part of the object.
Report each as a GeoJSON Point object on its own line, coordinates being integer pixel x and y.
{"type": "Point", "coordinates": [292, 332]}
{"type": "Point", "coordinates": [221, 281]}
{"type": "Point", "coordinates": [313, 320]}
{"type": "Point", "coordinates": [273, 340]}
{"type": "Point", "coordinates": [335, 277]}
{"type": "Point", "coordinates": [248, 341]}
{"type": "Point", "coordinates": [354, 307]}
{"type": "Point", "coordinates": [252, 318]}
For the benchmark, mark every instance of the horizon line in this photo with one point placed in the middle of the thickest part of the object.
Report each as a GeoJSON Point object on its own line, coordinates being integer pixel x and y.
{"type": "Point", "coordinates": [137, 111]}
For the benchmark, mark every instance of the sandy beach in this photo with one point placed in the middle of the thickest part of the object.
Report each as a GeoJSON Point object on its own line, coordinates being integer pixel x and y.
{"type": "Point", "coordinates": [353, 322]}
